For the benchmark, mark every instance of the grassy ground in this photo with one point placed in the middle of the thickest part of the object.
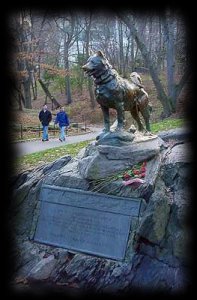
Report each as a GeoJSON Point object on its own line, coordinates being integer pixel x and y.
{"type": "Point", "coordinates": [30, 161]}
{"type": "Point", "coordinates": [167, 124]}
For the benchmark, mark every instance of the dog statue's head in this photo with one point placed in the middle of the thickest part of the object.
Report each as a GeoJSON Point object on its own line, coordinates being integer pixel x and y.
{"type": "Point", "coordinates": [96, 63]}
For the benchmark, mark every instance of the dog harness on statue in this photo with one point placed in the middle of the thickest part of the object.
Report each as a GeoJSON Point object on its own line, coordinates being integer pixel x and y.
{"type": "Point", "coordinates": [104, 78]}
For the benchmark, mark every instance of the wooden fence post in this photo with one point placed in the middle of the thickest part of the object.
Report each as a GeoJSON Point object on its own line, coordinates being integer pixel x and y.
{"type": "Point", "coordinates": [84, 120]}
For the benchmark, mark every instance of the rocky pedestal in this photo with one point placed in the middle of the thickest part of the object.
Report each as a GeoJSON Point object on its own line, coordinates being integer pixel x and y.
{"type": "Point", "coordinates": [158, 241]}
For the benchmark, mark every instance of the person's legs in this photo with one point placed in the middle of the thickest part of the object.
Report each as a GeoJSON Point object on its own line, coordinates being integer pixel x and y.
{"type": "Point", "coordinates": [45, 133]}
{"type": "Point", "coordinates": [62, 133]}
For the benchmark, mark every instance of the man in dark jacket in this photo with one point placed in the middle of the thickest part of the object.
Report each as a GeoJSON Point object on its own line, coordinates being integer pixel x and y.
{"type": "Point", "coordinates": [63, 121]}
{"type": "Point", "coordinates": [45, 118]}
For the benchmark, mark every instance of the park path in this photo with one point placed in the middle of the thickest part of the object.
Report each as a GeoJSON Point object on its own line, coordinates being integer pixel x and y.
{"type": "Point", "coordinates": [28, 147]}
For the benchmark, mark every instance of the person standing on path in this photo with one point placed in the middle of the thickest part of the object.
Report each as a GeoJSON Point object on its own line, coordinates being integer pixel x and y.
{"type": "Point", "coordinates": [45, 118]}
{"type": "Point", "coordinates": [63, 121]}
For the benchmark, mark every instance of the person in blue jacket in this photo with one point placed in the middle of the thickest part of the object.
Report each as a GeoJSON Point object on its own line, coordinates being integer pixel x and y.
{"type": "Point", "coordinates": [45, 118]}
{"type": "Point", "coordinates": [63, 121]}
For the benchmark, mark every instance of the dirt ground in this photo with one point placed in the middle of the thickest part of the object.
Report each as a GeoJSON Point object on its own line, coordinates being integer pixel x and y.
{"type": "Point", "coordinates": [80, 110]}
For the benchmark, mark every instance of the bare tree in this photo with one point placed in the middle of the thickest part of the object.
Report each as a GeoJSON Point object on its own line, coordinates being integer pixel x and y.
{"type": "Point", "coordinates": [66, 25]}
{"type": "Point", "coordinates": [166, 101]}
{"type": "Point", "coordinates": [20, 29]}
{"type": "Point", "coordinates": [49, 45]}
{"type": "Point", "coordinates": [169, 27]}
{"type": "Point", "coordinates": [80, 51]}
{"type": "Point", "coordinates": [55, 103]}
{"type": "Point", "coordinates": [88, 23]}
{"type": "Point", "coordinates": [121, 49]}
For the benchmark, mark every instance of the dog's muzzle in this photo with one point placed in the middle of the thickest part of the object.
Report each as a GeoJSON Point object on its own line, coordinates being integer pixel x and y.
{"type": "Point", "coordinates": [84, 67]}
{"type": "Point", "coordinates": [87, 70]}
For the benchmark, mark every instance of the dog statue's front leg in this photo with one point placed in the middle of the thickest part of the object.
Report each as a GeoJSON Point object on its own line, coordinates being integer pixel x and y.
{"type": "Point", "coordinates": [120, 116]}
{"type": "Point", "coordinates": [105, 111]}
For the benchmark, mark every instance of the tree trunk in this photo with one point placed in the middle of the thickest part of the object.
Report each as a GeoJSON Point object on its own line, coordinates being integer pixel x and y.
{"type": "Point", "coordinates": [55, 103]}
{"type": "Point", "coordinates": [150, 37]}
{"type": "Point", "coordinates": [121, 50]}
{"type": "Point", "coordinates": [20, 98]}
{"type": "Point", "coordinates": [67, 77]}
{"type": "Point", "coordinates": [132, 54]}
{"type": "Point", "coordinates": [68, 89]}
{"type": "Point", "coordinates": [90, 83]}
{"type": "Point", "coordinates": [27, 93]}
{"type": "Point", "coordinates": [135, 57]}
{"type": "Point", "coordinates": [33, 86]}
{"type": "Point", "coordinates": [168, 30]}
{"type": "Point", "coordinates": [160, 54]}
{"type": "Point", "coordinates": [180, 85]}
{"type": "Point", "coordinates": [167, 108]}
{"type": "Point", "coordinates": [20, 107]}
{"type": "Point", "coordinates": [79, 58]}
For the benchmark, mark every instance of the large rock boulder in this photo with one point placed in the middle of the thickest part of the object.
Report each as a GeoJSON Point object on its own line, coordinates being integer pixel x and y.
{"type": "Point", "coordinates": [160, 239]}
{"type": "Point", "coordinates": [104, 160]}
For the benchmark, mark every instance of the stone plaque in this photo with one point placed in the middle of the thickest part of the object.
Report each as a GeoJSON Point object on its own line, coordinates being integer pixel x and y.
{"type": "Point", "coordinates": [88, 222]}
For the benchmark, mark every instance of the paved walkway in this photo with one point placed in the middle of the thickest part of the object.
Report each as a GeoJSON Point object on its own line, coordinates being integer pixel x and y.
{"type": "Point", "coordinates": [28, 147]}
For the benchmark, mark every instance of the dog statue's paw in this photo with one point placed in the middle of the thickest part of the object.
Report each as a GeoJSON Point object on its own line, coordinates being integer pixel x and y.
{"type": "Point", "coordinates": [148, 133]}
{"type": "Point", "coordinates": [132, 129]}
{"type": "Point", "coordinates": [119, 129]}
{"type": "Point", "coordinates": [103, 133]}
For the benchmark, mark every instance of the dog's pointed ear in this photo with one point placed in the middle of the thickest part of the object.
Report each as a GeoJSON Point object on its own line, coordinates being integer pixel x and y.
{"type": "Point", "coordinates": [100, 53]}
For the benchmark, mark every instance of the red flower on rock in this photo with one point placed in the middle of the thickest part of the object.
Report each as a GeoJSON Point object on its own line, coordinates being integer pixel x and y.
{"type": "Point", "coordinates": [133, 176]}
{"type": "Point", "coordinates": [126, 176]}
{"type": "Point", "coordinates": [142, 169]}
{"type": "Point", "coordinates": [142, 175]}
{"type": "Point", "coordinates": [136, 172]}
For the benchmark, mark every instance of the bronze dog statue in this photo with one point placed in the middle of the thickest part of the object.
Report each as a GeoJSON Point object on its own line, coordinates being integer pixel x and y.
{"type": "Point", "coordinates": [112, 91]}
